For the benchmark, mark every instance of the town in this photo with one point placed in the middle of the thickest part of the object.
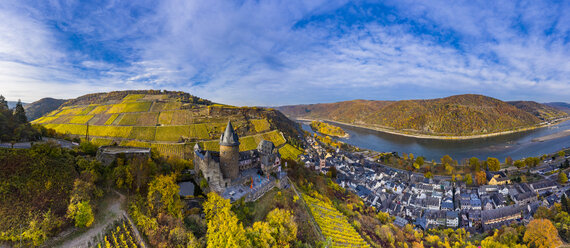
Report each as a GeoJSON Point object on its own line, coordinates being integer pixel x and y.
{"type": "Point", "coordinates": [438, 201]}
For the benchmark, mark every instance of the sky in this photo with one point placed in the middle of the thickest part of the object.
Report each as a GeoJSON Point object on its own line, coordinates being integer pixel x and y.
{"type": "Point", "coordinates": [270, 53]}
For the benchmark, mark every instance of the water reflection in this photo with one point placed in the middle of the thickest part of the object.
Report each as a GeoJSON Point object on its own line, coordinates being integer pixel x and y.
{"type": "Point", "coordinates": [516, 145]}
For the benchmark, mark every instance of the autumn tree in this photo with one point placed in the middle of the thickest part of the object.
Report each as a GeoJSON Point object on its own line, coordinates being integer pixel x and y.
{"type": "Point", "coordinates": [81, 213]}
{"type": "Point", "coordinates": [446, 160]}
{"type": "Point", "coordinates": [468, 179]}
{"type": "Point", "coordinates": [541, 233]}
{"type": "Point", "coordinates": [519, 164]}
{"type": "Point", "coordinates": [474, 163]}
{"type": "Point", "coordinates": [562, 178]}
{"type": "Point", "coordinates": [420, 160]}
{"type": "Point", "coordinates": [509, 160]}
{"type": "Point", "coordinates": [224, 229]}
{"type": "Point", "coordinates": [481, 177]}
{"type": "Point", "coordinates": [561, 154]}
{"type": "Point", "coordinates": [163, 195]}
{"type": "Point", "coordinates": [283, 226]}
{"type": "Point", "coordinates": [494, 164]}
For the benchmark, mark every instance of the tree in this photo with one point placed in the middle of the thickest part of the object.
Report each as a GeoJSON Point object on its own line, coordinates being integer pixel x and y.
{"type": "Point", "coordinates": [428, 175]}
{"type": "Point", "coordinates": [519, 164]}
{"type": "Point", "coordinates": [163, 195]}
{"type": "Point", "coordinates": [283, 226]}
{"type": "Point", "coordinates": [446, 160]}
{"type": "Point", "coordinates": [420, 161]}
{"type": "Point", "coordinates": [509, 160]}
{"type": "Point", "coordinates": [468, 179]}
{"type": "Point", "coordinates": [481, 177]}
{"type": "Point", "coordinates": [562, 178]}
{"type": "Point", "coordinates": [20, 113]}
{"type": "Point", "coordinates": [474, 163]}
{"type": "Point", "coordinates": [82, 214]}
{"type": "Point", "coordinates": [541, 233]}
{"type": "Point", "coordinates": [561, 154]}
{"type": "Point", "coordinates": [411, 156]}
{"type": "Point", "coordinates": [224, 229]}
{"type": "Point", "coordinates": [494, 164]}
{"type": "Point", "coordinates": [416, 166]}
{"type": "Point", "coordinates": [3, 104]}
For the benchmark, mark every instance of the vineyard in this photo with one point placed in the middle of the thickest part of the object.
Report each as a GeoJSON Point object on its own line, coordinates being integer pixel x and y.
{"type": "Point", "coordinates": [120, 236]}
{"type": "Point", "coordinates": [167, 122]}
{"type": "Point", "coordinates": [333, 224]}
{"type": "Point", "coordinates": [289, 152]}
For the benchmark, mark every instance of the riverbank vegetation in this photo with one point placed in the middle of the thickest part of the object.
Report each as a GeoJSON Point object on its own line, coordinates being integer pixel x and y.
{"type": "Point", "coordinates": [327, 129]}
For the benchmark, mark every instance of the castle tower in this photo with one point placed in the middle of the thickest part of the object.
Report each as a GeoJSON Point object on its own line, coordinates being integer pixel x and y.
{"type": "Point", "coordinates": [229, 153]}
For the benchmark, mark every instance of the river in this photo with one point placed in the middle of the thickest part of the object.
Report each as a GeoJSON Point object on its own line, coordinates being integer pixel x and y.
{"type": "Point", "coordinates": [516, 145]}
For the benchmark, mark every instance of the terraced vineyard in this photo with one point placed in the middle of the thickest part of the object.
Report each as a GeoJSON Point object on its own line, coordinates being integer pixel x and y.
{"type": "Point", "coordinates": [289, 152]}
{"type": "Point", "coordinates": [121, 236]}
{"type": "Point", "coordinates": [334, 224]}
{"type": "Point", "coordinates": [170, 122]}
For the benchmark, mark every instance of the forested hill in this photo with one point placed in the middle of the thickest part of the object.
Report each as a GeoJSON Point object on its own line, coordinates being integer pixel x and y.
{"type": "Point", "coordinates": [455, 115]}
{"type": "Point", "coordinates": [41, 107]}
{"type": "Point", "coordinates": [172, 122]}
{"type": "Point", "coordinates": [542, 111]}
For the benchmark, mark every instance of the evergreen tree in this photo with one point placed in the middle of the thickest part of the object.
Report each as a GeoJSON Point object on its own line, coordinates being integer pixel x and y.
{"type": "Point", "coordinates": [3, 104]}
{"type": "Point", "coordinates": [20, 113]}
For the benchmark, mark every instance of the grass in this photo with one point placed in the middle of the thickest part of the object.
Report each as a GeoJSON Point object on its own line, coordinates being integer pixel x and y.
{"type": "Point", "coordinates": [199, 131]}
{"type": "Point", "coordinates": [247, 143]}
{"type": "Point", "coordinates": [73, 129]}
{"type": "Point", "coordinates": [289, 152]}
{"type": "Point", "coordinates": [261, 125]}
{"type": "Point", "coordinates": [129, 119]}
{"type": "Point", "coordinates": [70, 111]}
{"type": "Point", "coordinates": [45, 119]}
{"type": "Point", "coordinates": [80, 119]}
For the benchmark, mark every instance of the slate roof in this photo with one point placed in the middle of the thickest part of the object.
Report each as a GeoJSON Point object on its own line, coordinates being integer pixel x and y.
{"type": "Point", "coordinates": [229, 137]}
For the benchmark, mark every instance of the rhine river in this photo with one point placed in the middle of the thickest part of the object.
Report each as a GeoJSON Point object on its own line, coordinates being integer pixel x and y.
{"type": "Point", "coordinates": [517, 145]}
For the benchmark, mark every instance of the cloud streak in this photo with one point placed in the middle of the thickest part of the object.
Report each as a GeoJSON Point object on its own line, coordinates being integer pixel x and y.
{"type": "Point", "coordinates": [288, 52]}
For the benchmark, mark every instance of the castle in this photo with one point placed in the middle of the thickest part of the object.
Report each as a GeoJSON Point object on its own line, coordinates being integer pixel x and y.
{"type": "Point", "coordinates": [230, 167]}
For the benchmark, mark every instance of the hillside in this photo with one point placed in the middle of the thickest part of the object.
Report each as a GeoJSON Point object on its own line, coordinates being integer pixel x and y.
{"type": "Point", "coordinates": [542, 111]}
{"type": "Point", "coordinates": [171, 122]}
{"type": "Point", "coordinates": [459, 115]}
{"type": "Point", "coordinates": [562, 106]}
{"type": "Point", "coordinates": [41, 107]}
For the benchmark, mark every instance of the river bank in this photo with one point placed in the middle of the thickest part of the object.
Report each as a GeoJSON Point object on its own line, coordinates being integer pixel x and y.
{"type": "Point", "coordinates": [440, 137]}
{"type": "Point", "coordinates": [552, 136]}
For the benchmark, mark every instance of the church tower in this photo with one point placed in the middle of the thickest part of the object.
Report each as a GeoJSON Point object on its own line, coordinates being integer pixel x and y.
{"type": "Point", "coordinates": [229, 153]}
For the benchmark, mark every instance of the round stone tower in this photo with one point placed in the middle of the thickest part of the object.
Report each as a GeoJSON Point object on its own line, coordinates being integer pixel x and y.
{"type": "Point", "coordinates": [229, 153]}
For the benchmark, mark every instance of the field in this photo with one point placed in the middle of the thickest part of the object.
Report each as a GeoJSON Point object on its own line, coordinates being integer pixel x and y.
{"type": "Point", "coordinates": [172, 133]}
{"type": "Point", "coordinates": [143, 133]}
{"type": "Point", "coordinates": [289, 152]}
{"type": "Point", "coordinates": [111, 119]}
{"type": "Point", "coordinates": [120, 236]}
{"type": "Point", "coordinates": [102, 141]}
{"type": "Point", "coordinates": [334, 224]}
{"type": "Point", "coordinates": [129, 107]}
{"type": "Point", "coordinates": [135, 143]}
{"type": "Point", "coordinates": [173, 150]}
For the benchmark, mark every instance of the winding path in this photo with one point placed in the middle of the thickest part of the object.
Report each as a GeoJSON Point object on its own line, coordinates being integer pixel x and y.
{"type": "Point", "coordinates": [112, 212]}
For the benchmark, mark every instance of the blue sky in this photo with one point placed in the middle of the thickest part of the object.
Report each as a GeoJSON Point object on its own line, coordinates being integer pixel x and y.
{"type": "Point", "coordinates": [287, 52]}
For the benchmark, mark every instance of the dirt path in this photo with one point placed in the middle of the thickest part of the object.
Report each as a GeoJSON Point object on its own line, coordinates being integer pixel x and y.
{"type": "Point", "coordinates": [110, 212]}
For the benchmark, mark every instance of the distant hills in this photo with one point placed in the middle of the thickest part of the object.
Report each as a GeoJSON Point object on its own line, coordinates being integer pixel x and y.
{"type": "Point", "coordinates": [560, 106]}
{"type": "Point", "coordinates": [460, 115]}
{"type": "Point", "coordinates": [41, 107]}
{"type": "Point", "coordinates": [12, 104]}
{"type": "Point", "coordinates": [170, 121]}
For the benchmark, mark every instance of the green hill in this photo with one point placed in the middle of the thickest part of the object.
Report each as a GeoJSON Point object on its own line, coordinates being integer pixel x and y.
{"type": "Point", "coordinates": [171, 122]}
{"type": "Point", "coordinates": [455, 115]}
